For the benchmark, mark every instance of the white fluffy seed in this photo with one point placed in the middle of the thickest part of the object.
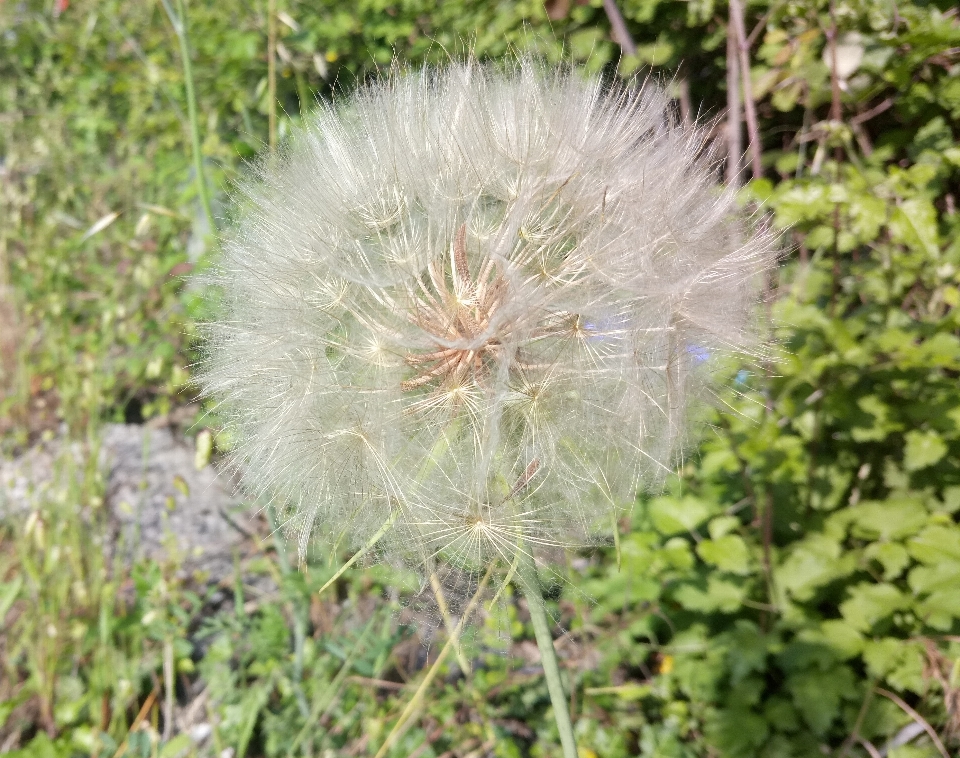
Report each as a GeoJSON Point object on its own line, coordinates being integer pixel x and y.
{"type": "Point", "coordinates": [481, 301]}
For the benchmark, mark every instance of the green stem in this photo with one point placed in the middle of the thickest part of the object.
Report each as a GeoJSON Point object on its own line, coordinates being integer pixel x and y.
{"type": "Point", "coordinates": [548, 656]}
{"type": "Point", "coordinates": [452, 637]}
{"type": "Point", "coordinates": [299, 613]}
{"type": "Point", "coordinates": [272, 72]}
{"type": "Point", "coordinates": [362, 551]}
{"type": "Point", "coordinates": [180, 27]}
{"type": "Point", "coordinates": [322, 704]}
{"type": "Point", "coordinates": [168, 689]}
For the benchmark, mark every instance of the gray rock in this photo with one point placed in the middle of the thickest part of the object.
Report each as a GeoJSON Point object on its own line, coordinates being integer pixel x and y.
{"type": "Point", "coordinates": [160, 506]}
{"type": "Point", "coordinates": [163, 506]}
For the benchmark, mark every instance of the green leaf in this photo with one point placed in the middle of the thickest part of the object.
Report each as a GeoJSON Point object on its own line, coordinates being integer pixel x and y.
{"type": "Point", "coordinates": [889, 519]}
{"type": "Point", "coordinates": [936, 544]}
{"type": "Point", "coordinates": [722, 525]}
{"type": "Point", "coordinates": [747, 650]}
{"type": "Point", "coordinates": [899, 662]}
{"type": "Point", "coordinates": [728, 553]}
{"type": "Point", "coordinates": [891, 555]}
{"type": "Point", "coordinates": [869, 214]}
{"type": "Point", "coordinates": [676, 515]}
{"type": "Point", "coordinates": [922, 449]}
{"type": "Point", "coordinates": [818, 695]}
{"type": "Point", "coordinates": [42, 746]}
{"type": "Point", "coordinates": [940, 608]}
{"type": "Point", "coordinates": [176, 747]}
{"type": "Point", "coordinates": [870, 603]}
{"type": "Point", "coordinates": [842, 639]}
{"type": "Point", "coordinates": [8, 594]}
{"type": "Point", "coordinates": [937, 576]}
{"type": "Point", "coordinates": [914, 223]}
{"type": "Point", "coordinates": [656, 53]}
{"type": "Point", "coordinates": [253, 701]}
{"type": "Point", "coordinates": [582, 43]}
{"type": "Point", "coordinates": [720, 595]}
{"type": "Point", "coordinates": [882, 655]}
{"type": "Point", "coordinates": [813, 562]}
{"type": "Point", "coordinates": [736, 731]}
{"type": "Point", "coordinates": [880, 425]}
{"type": "Point", "coordinates": [951, 499]}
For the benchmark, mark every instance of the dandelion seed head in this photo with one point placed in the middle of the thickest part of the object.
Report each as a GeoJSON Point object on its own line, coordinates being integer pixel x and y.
{"type": "Point", "coordinates": [482, 300]}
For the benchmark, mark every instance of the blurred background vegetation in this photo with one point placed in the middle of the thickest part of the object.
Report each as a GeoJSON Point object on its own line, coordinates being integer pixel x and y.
{"type": "Point", "coordinates": [794, 592]}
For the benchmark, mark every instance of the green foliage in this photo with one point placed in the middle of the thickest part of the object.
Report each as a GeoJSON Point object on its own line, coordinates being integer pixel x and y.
{"type": "Point", "coordinates": [805, 559]}
{"type": "Point", "coordinates": [822, 510]}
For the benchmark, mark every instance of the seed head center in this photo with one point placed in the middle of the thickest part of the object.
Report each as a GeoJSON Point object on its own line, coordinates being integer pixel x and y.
{"type": "Point", "coordinates": [461, 317]}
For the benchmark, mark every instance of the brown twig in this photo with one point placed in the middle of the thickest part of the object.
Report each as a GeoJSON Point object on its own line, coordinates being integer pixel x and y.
{"type": "Point", "coordinates": [683, 97]}
{"type": "Point", "coordinates": [734, 115]}
{"type": "Point", "coordinates": [916, 717]}
{"type": "Point", "coordinates": [753, 128]}
{"type": "Point", "coordinates": [752, 37]}
{"type": "Point", "coordinates": [431, 737]}
{"type": "Point", "coordinates": [619, 28]}
{"type": "Point", "coordinates": [835, 107]}
{"type": "Point", "coordinates": [874, 111]}
{"type": "Point", "coordinates": [768, 545]}
{"type": "Point", "coordinates": [836, 110]}
{"type": "Point", "coordinates": [861, 715]}
{"type": "Point", "coordinates": [141, 715]}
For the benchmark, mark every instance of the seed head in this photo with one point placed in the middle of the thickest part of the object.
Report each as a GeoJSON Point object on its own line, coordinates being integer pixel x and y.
{"type": "Point", "coordinates": [481, 303]}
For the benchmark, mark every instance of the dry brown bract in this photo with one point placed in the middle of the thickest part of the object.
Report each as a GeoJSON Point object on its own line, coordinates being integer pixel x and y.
{"type": "Point", "coordinates": [461, 319]}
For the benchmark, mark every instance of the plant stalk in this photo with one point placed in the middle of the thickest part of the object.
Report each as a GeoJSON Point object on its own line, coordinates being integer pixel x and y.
{"type": "Point", "coordinates": [300, 612]}
{"type": "Point", "coordinates": [272, 73]}
{"type": "Point", "coordinates": [749, 106]}
{"type": "Point", "coordinates": [548, 656]}
{"type": "Point", "coordinates": [168, 687]}
{"type": "Point", "coordinates": [415, 702]}
{"type": "Point", "coordinates": [180, 27]}
{"type": "Point", "coordinates": [734, 115]}
{"type": "Point", "coordinates": [619, 28]}
{"type": "Point", "coordinates": [362, 551]}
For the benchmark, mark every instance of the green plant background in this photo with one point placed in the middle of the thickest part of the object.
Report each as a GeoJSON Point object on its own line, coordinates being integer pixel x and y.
{"type": "Point", "coordinates": [794, 592]}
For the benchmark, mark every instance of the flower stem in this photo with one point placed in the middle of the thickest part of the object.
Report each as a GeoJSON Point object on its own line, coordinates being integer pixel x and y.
{"type": "Point", "coordinates": [448, 621]}
{"type": "Point", "coordinates": [300, 612]}
{"type": "Point", "coordinates": [272, 73]}
{"type": "Point", "coordinates": [548, 656]}
{"type": "Point", "coordinates": [362, 551]}
{"type": "Point", "coordinates": [179, 22]}
{"type": "Point", "coordinates": [452, 638]}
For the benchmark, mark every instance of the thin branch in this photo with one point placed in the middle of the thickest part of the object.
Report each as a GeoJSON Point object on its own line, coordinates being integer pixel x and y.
{"type": "Point", "coordinates": [683, 96]}
{"type": "Point", "coordinates": [753, 128]}
{"type": "Point", "coordinates": [874, 111]}
{"type": "Point", "coordinates": [861, 715]}
{"type": "Point", "coordinates": [448, 622]}
{"type": "Point", "coordinates": [836, 113]}
{"type": "Point", "coordinates": [619, 27]}
{"type": "Point", "coordinates": [752, 37]}
{"type": "Point", "coordinates": [734, 114]}
{"type": "Point", "coordinates": [916, 717]}
{"type": "Point", "coordinates": [141, 715]}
